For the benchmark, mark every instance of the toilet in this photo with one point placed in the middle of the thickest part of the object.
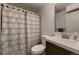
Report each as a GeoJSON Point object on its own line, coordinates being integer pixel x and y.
{"type": "Point", "coordinates": [40, 48]}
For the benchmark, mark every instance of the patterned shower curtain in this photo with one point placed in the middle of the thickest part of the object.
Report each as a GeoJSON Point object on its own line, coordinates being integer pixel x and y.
{"type": "Point", "coordinates": [0, 33]}
{"type": "Point", "coordinates": [33, 30]}
{"type": "Point", "coordinates": [13, 29]}
{"type": "Point", "coordinates": [20, 29]}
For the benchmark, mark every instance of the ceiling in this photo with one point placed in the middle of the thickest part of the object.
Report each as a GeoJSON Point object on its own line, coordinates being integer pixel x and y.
{"type": "Point", "coordinates": [58, 5]}
{"type": "Point", "coordinates": [61, 6]}
{"type": "Point", "coordinates": [29, 6]}
{"type": "Point", "coordinates": [37, 6]}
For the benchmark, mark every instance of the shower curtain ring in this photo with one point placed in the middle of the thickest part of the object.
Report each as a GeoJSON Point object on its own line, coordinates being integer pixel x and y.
{"type": "Point", "coordinates": [2, 5]}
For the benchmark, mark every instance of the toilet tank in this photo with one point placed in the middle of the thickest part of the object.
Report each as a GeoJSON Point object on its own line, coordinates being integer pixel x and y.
{"type": "Point", "coordinates": [43, 39]}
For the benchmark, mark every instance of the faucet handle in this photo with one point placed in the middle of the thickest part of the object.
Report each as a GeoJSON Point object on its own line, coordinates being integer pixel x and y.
{"type": "Point", "coordinates": [75, 35]}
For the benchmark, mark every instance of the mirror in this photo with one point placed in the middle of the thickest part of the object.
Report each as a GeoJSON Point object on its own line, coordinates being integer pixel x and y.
{"type": "Point", "coordinates": [66, 21]}
{"type": "Point", "coordinates": [60, 17]}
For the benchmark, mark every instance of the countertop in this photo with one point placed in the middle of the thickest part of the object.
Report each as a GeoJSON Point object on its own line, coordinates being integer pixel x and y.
{"type": "Point", "coordinates": [68, 44]}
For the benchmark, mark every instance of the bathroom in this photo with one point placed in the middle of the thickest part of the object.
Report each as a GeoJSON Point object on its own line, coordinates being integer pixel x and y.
{"type": "Point", "coordinates": [39, 29]}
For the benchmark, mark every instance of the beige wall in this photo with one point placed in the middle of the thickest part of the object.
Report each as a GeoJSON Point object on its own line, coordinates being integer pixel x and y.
{"type": "Point", "coordinates": [47, 19]}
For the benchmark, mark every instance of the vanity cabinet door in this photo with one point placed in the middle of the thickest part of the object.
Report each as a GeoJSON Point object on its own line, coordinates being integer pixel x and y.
{"type": "Point", "coordinates": [52, 49]}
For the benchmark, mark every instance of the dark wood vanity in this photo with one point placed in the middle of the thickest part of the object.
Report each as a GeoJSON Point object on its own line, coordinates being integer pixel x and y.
{"type": "Point", "coordinates": [52, 49]}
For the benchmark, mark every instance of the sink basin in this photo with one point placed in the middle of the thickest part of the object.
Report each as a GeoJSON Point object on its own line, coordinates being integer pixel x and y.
{"type": "Point", "coordinates": [67, 42]}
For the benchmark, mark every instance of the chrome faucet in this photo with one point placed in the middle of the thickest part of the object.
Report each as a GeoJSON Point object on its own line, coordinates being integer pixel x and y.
{"type": "Point", "coordinates": [65, 35]}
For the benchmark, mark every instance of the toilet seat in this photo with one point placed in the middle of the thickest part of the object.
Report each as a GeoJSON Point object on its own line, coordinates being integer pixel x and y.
{"type": "Point", "coordinates": [38, 49]}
